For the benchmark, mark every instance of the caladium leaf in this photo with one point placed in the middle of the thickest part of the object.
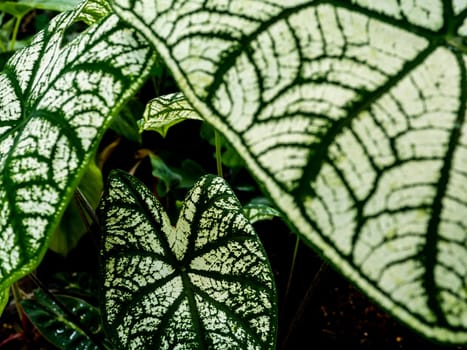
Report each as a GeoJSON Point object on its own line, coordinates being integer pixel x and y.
{"type": "Point", "coordinates": [351, 115]}
{"type": "Point", "coordinates": [259, 210]}
{"type": "Point", "coordinates": [204, 284]}
{"type": "Point", "coordinates": [166, 111]}
{"type": "Point", "coordinates": [56, 100]}
{"type": "Point", "coordinates": [94, 10]}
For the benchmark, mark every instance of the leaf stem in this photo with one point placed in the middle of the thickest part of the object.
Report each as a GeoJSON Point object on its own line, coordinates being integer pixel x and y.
{"type": "Point", "coordinates": [15, 32]}
{"type": "Point", "coordinates": [83, 203]}
{"type": "Point", "coordinates": [217, 140]}
{"type": "Point", "coordinates": [17, 296]}
{"type": "Point", "coordinates": [292, 268]}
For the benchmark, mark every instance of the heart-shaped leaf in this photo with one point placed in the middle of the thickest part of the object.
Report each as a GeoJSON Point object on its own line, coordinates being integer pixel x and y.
{"type": "Point", "coordinates": [351, 115]}
{"type": "Point", "coordinates": [56, 100]}
{"type": "Point", "coordinates": [204, 284]}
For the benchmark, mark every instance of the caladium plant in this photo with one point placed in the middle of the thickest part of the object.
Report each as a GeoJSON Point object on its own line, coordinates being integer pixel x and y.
{"type": "Point", "coordinates": [349, 114]}
{"type": "Point", "coordinates": [204, 284]}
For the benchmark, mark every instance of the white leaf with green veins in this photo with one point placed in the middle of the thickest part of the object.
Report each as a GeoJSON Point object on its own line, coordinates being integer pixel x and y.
{"type": "Point", "coordinates": [351, 114]}
{"type": "Point", "coordinates": [56, 101]}
{"type": "Point", "coordinates": [163, 112]}
{"type": "Point", "coordinates": [204, 284]}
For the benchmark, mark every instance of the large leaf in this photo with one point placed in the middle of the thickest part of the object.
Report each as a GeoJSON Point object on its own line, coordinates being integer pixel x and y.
{"type": "Point", "coordinates": [56, 100]}
{"type": "Point", "coordinates": [204, 284]}
{"type": "Point", "coordinates": [351, 115]}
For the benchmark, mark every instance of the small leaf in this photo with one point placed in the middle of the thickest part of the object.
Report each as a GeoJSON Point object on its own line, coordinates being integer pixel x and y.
{"type": "Point", "coordinates": [166, 111]}
{"type": "Point", "coordinates": [57, 99]}
{"type": "Point", "coordinates": [259, 210]}
{"type": "Point", "coordinates": [94, 10]}
{"type": "Point", "coordinates": [55, 325]}
{"type": "Point", "coordinates": [204, 284]}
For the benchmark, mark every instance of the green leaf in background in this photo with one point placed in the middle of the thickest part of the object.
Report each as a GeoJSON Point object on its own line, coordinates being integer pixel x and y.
{"type": "Point", "coordinates": [72, 227]}
{"type": "Point", "coordinates": [168, 177]}
{"type": "Point", "coordinates": [229, 156]}
{"type": "Point", "coordinates": [57, 100]}
{"type": "Point", "coordinates": [125, 123]}
{"type": "Point", "coordinates": [166, 111]}
{"type": "Point", "coordinates": [22, 7]}
{"type": "Point", "coordinates": [351, 116]}
{"type": "Point", "coordinates": [204, 284]}
{"type": "Point", "coordinates": [57, 327]}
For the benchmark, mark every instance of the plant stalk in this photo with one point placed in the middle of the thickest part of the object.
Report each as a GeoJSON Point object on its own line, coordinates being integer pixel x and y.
{"type": "Point", "coordinates": [292, 269]}
{"type": "Point", "coordinates": [303, 305]}
{"type": "Point", "coordinates": [217, 140]}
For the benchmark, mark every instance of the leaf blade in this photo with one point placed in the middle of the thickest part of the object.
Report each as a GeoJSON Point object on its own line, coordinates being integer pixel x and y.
{"type": "Point", "coordinates": [56, 102]}
{"type": "Point", "coordinates": [352, 117]}
{"type": "Point", "coordinates": [178, 281]}
{"type": "Point", "coordinates": [166, 111]}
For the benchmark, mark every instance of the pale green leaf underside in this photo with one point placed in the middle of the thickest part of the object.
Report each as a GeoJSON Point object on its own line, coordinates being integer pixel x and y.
{"type": "Point", "coordinates": [56, 101]}
{"type": "Point", "coordinates": [204, 284]}
{"type": "Point", "coordinates": [166, 111]}
{"type": "Point", "coordinates": [257, 211]}
{"type": "Point", "coordinates": [352, 117]}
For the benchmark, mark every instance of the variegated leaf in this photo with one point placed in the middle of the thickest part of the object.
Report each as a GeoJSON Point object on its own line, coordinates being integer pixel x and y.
{"type": "Point", "coordinates": [258, 211]}
{"type": "Point", "coordinates": [204, 284]}
{"type": "Point", "coordinates": [56, 100]}
{"type": "Point", "coordinates": [351, 115]}
{"type": "Point", "coordinates": [166, 111]}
